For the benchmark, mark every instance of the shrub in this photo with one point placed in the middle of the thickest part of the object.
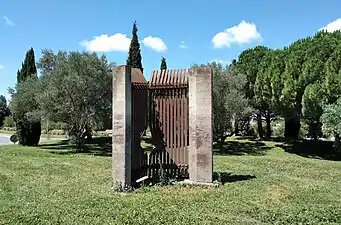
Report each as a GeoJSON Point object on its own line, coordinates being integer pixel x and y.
{"type": "Point", "coordinates": [254, 128]}
{"type": "Point", "coordinates": [303, 130]}
{"type": "Point", "coordinates": [277, 128]}
{"type": "Point", "coordinates": [101, 134]}
{"type": "Point", "coordinates": [9, 122]}
{"type": "Point", "coordinates": [57, 132]}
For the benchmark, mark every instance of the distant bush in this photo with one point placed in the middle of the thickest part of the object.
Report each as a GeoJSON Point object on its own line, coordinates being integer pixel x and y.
{"type": "Point", "coordinates": [303, 130]}
{"type": "Point", "coordinates": [101, 134]}
{"type": "Point", "coordinates": [9, 122]}
{"type": "Point", "coordinates": [53, 125]}
{"type": "Point", "coordinates": [277, 128]}
{"type": "Point", "coordinates": [57, 132]}
{"type": "Point", "coordinates": [254, 128]}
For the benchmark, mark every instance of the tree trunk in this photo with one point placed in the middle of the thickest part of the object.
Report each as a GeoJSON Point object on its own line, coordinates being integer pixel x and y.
{"type": "Point", "coordinates": [268, 125]}
{"type": "Point", "coordinates": [221, 142]}
{"type": "Point", "coordinates": [337, 144]}
{"type": "Point", "coordinates": [236, 127]}
{"type": "Point", "coordinates": [292, 128]}
{"type": "Point", "coordinates": [293, 124]}
{"type": "Point", "coordinates": [313, 130]}
{"type": "Point", "coordinates": [259, 125]}
{"type": "Point", "coordinates": [88, 133]}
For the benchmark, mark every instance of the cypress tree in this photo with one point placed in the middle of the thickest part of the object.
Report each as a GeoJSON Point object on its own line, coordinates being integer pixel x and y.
{"type": "Point", "coordinates": [163, 65]}
{"type": "Point", "coordinates": [28, 132]}
{"type": "Point", "coordinates": [28, 67]}
{"type": "Point", "coordinates": [134, 59]}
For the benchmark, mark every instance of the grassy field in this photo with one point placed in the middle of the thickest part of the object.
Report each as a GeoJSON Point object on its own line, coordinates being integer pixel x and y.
{"type": "Point", "coordinates": [270, 183]}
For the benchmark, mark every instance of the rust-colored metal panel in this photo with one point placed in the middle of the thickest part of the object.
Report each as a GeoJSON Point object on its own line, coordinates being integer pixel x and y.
{"type": "Point", "coordinates": [168, 119]}
{"type": "Point", "coordinates": [139, 113]}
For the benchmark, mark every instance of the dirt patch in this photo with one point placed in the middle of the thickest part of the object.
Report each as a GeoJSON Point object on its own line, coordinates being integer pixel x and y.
{"type": "Point", "coordinates": [277, 194]}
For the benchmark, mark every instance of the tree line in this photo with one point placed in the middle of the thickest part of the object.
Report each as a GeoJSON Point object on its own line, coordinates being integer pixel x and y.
{"type": "Point", "coordinates": [298, 83]}
{"type": "Point", "coordinates": [74, 88]}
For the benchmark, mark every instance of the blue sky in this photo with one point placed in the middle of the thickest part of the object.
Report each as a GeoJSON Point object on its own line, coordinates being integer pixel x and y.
{"type": "Point", "coordinates": [185, 32]}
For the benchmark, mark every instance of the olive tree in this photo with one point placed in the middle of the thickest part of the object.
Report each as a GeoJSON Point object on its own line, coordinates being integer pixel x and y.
{"type": "Point", "coordinates": [75, 89]}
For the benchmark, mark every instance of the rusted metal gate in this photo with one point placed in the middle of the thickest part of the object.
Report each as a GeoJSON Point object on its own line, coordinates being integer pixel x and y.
{"type": "Point", "coordinates": [168, 121]}
{"type": "Point", "coordinates": [140, 116]}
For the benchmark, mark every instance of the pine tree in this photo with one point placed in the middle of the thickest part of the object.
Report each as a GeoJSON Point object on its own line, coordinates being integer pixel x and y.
{"type": "Point", "coordinates": [134, 59]}
{"type": "Point", "coordinates": [28, 67]}
{"type": "Point", "coordinates": [28, 132]}
{"type": "Point", "coordinates": [163, 65]}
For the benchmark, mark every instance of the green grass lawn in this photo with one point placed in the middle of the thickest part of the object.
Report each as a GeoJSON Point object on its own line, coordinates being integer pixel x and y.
{"type": "Point", "coordinates": [53, 185]}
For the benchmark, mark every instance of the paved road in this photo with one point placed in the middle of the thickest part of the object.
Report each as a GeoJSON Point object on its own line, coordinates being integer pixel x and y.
{"type": "Point", "coordinates": [4, 139]}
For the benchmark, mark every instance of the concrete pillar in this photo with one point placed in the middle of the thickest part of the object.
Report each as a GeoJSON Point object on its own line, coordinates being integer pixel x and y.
{"type": "Point", "coordinates": [200, 126]}
{"type": "Point", "coordinates": [122, 130]}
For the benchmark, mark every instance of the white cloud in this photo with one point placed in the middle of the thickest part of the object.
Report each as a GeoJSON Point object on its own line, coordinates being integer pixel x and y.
{"type": "Point", "coordinates": [182, 45]}
{"type": "Point", "coordinates": [8, 21]}
{"type": "Point", "coordinates": [105, 43]}
{"type": "Point", "coordinates": [333, 26]}
{"type": "Point", "coordinates": [155, 43]}
{"type": "Point", "coordinates": [1, 66]}
{"type": "Point", "coordinates": [242, 33]}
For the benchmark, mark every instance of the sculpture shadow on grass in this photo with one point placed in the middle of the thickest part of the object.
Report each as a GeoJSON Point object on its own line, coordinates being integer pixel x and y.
{"type": "Point", "coordinates": [317, 149]}
{"type": "Point", "coordinates": [225, 177]}
{"type": "Point", "coordinates": [256, 148]}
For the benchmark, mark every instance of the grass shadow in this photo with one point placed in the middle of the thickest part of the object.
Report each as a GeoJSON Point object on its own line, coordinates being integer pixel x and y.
{"type": "Point", "coordinates": [256, 148]}
{"type": "Point", "coordinates": [225, 177]}
{"type": "Point", "coordinates": [98, 146]}
{"type": "Point", "coordinates": [252, 138]}
{"type": "Point", "coordinates": [312, 149]}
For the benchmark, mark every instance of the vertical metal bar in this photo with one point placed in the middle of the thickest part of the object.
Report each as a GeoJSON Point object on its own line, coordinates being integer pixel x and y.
{"type": "Point", "coordinates": [186, 121]}
{"type": "Point", "coordinates": [182, 149]}
{"type": "Point", "coordinates": [171, 112]}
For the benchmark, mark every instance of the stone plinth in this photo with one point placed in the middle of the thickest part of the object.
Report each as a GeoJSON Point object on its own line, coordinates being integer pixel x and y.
{"type": "Point", "coordinates": [200, 126]}
{"type": "Point", "coordinates": [122, 132]}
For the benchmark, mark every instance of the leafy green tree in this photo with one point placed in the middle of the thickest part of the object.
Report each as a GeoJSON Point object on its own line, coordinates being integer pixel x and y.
{"type": "Point", "coordinates": [250, 63]}
{"type": "Point", "coordinates": [229, 102]}
{"type": "Point", "coordinates": [312, 109]}
{"type": "Point", "coordinates": [4, 110]}
{"type": "Point", "coordinates": [134, 59]}
{"type": "Point", "coordinates": [294, 82]}
{"type": "Point", "coordinates": [28, 131]}
{"type": "Point", "coordinates": [332, 82]}
{"type": "Point", "coordinates": [263, 89]}
{"type": "Point", "coordinates": [163, 65]}
{"type": "Point", "coordinates": [8, 121]}
{"type": "Point", "coordinates": [75, 89]}
{"type": "Point", "coordinates": [23, 108]}
{"type": "Point", "coordinates": [331, 119]}
{"type": "Point", "coordinates": [292, 92]}
{"type": "Point", "coordinates": [305, 66]}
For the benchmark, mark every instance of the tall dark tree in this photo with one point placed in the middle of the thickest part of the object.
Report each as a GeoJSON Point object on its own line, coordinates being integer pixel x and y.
{"type": "Point", "coordinates": [134, 59]}
{"type": "Point", "coordinates": [4, 110]}
{"type": "Point", "coordinates": [163, 65]}
{"type": "Point", "coordinates": [250, 64]}
{"type": "Point", "coordinates": [28, 67]}
{"type": "Point", "coordinates": [28, 131]}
